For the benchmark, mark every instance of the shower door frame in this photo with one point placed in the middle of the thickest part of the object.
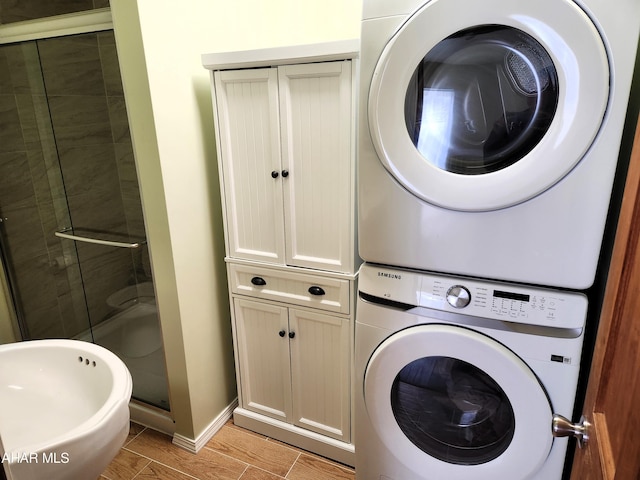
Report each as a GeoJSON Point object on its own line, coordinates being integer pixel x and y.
{"type": "Point", "coordinates": [61, 25]}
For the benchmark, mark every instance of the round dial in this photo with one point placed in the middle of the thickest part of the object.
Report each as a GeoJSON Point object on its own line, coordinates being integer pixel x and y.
{"type": "Point", "coordinates": [458, 296]}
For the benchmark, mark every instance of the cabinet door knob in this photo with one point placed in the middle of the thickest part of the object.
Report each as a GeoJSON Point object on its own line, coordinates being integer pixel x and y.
{"type": "Point", "coordinates": [292, 334]}
{"type": "Point", "coordinates": [315, 290]}
{"type": "Point", "coordinates": [258, 281]}
{"type": "Point", "coordinates": [282, 333]}
{"type": "Point", "coordinates": [285, 173]}
{"type": "Point", "coordinates": [274, 174]}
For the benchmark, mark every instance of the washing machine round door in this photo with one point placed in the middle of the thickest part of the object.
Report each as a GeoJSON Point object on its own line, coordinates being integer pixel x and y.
{"type": "Point", "coordinates": [492, 106]}
{"type": "Point", "coordinates": [455, 403]}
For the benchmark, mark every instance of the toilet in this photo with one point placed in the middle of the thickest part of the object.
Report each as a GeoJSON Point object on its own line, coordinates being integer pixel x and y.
{"type": "Point", "coordinates": [131, 295]}
{"type": "Point", "coordinates": [137, 313]}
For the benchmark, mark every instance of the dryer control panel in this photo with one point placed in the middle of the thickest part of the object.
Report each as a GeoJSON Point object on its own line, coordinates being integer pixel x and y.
{"type": "Point", "coordinates": [475, 297]}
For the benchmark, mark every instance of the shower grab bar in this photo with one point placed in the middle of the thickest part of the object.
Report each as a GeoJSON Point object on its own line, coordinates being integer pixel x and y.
{"type": "Point", "coordinates": [63, 234]}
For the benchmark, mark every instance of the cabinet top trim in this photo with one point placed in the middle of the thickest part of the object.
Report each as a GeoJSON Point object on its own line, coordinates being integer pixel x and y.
{"type": "Point", "coordinates": [266, 57]}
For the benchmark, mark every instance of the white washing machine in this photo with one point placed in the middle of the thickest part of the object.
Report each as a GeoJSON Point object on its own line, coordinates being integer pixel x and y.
{"type": "Point", "coordinates": [489, 133]}
{"type": "Point", "coordinates": [460, 379]}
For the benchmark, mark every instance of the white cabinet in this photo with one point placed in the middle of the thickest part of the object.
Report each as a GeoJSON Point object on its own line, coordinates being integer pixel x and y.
{"type": "Point", "coordinates": [294, 366]}
{"type": "Point", "coordinates": [286, 156]}
{"type": "Point", "coordinates": [285, 137]}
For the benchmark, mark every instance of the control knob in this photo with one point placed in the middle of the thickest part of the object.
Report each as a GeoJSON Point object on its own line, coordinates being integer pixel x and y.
{"type": "Point", "coordinates": [458, 296]}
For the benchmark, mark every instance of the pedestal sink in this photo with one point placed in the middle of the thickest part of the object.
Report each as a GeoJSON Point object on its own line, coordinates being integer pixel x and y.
{"type": "Point", "coordinates": [64, 409]}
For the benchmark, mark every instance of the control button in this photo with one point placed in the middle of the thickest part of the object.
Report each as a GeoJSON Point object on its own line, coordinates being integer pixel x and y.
{"type": "Point", "coordinates": [458, 296]}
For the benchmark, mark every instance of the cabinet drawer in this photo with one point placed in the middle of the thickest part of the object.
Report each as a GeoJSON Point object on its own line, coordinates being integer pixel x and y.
{"type": "Point", "coordinates": [296, 288]}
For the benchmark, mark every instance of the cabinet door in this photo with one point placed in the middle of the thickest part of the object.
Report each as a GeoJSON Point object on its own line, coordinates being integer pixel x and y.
{"type": "Point", "coordinates": [320, 371]}
{"type": "Point", "coordinates": [263, 357]}
{"type": "Point", "coordinates": [316, 131]}
{"type": "Point", "coordinates": [248, 127]}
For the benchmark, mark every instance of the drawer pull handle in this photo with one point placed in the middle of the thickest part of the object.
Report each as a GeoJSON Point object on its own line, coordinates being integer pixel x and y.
{"type": "Point", "coordinates": [285, 173]}
{"type": "Point", "coordinates": [292, 334]}
{"type": "Point", "coordinates": [275, 174]}
{"type": "Point", "coordinates": [258, 281]}
{"type": "Point", "coordinates": [282, 333]}
{"type": "Point", "coordinates": [315, 290]}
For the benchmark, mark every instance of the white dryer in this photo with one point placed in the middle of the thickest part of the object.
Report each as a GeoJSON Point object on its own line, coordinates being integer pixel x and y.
{"type": "Point", "coordinates": [462, 379]}
{"type": "Point", "coordinates": [489, 134]}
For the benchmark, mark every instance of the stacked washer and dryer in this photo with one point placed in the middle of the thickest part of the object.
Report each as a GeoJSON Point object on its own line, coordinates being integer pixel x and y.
{"type": "Point", "coordinates": [489, 134]}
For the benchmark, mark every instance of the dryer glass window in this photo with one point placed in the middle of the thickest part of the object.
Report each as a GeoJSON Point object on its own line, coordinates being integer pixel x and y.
{"type": "Point", "coordinates": [481, 99]}
{"type": "Point", "coordinates": [452, 410]}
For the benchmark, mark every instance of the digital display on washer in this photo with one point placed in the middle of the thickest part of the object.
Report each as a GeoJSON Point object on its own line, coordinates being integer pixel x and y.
{"type": "Point", "coordinates": [511, 295]}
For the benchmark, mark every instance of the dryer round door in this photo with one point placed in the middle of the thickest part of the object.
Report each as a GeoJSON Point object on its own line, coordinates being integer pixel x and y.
{"type": "Point", "coordinates": [491, 106]}
{"type": "Point", "coordinates": [457, 404]}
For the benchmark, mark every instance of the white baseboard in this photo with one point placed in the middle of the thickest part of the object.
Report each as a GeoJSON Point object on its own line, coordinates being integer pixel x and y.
{"type": "Point", "coordinates": [194, 445]}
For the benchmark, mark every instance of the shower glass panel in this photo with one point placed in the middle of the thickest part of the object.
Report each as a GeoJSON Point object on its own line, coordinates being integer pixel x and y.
{"type": "Point", "coordinates": [73, 237]}
{"type": "Point", "coordinates": [43, 273]}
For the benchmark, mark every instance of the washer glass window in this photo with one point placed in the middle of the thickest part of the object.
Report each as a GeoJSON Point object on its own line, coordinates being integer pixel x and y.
{"type": "Point", "coordinates": [452, 410]}
{"type": "Point", "coordinates": [481, 99]}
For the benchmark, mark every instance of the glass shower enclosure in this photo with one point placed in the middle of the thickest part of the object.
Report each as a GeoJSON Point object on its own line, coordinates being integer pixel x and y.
{"type": "Point", "coordinates": [72, 235]}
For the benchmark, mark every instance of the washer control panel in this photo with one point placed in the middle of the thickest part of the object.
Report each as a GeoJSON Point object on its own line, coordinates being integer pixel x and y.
{"type": "Point", "coordinates": [479, 298]}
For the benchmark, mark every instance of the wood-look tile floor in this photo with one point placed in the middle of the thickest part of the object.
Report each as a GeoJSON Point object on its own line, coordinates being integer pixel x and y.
{"type": "Point", "coordinates": [232, 454]}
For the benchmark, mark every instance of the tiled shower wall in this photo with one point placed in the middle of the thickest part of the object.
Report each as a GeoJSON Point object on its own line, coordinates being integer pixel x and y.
{"type": "Point", "coordinates": [88, 167]}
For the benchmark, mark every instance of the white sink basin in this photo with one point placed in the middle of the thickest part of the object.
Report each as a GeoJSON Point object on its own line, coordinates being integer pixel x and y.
{"type": "Point", "coordinates": [64, 409]}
